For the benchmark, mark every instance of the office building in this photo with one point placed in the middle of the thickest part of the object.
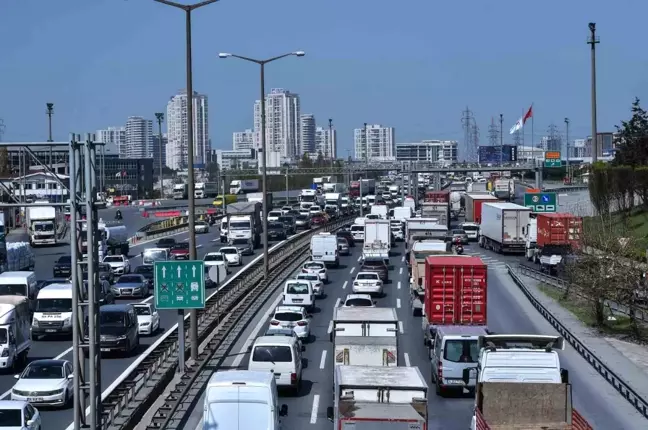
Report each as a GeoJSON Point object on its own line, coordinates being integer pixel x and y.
{"type": "Point", "coordinates": [325, 142]}
{"type": "Point", "coordinates": [114, 139]}
{"type": "Point", "coordinates": [431, 151]}
{"type": "Point", "coordinates": [577, 148]}
{"type": "Point", "coordinates": [139, 137]}
{"type": "Point", "coordinates": [605, 145]}
{"type": "Point", "coordinates": [307, 133]}
{"type": "Point", "coordinates": [551, 143]}
{"type": "Point", "coordinates": [177, 155]}
{"type": "Point", "coordinates": [157, 151]}
{"type": "Point", "coordinates": [374, 143]}
{"type": "Point", "coordinates": [283, 125]}
{"type": "Point", "coordinates": [243, 140]}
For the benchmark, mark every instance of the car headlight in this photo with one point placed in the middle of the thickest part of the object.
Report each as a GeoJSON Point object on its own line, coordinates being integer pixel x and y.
{"type": "Point", "coordinates": [123, 337]}
{"type": "Point", "coordinates": [66, 321]}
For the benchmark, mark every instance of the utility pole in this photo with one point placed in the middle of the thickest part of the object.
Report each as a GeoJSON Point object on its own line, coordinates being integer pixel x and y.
{"type": "Point", "coordinates": [567, 147]}
{"type": "Point", "coordinates": [366, 144]}
{"type": "Point", "coordinates": [50, 112]}
{"type": "Point", "coordinates": [331, 144]}
{"type": "Point", "coordinates": [160, 117]}
{"type": "Point", "coordinates": [501, 130]}
{"type": "Point", "coordinates": [593, 40]}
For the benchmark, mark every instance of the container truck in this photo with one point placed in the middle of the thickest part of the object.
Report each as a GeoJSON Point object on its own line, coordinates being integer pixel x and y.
{"type": "Point", "coordinates": [420, 251]}
{"type": "Point", "coordinates": [504, 189]}
{"type": "Point", "coordinates": [43, 225]}
{"type": "Point", "coordinates": [244, 226]}
{"type": "Point", "coordinates": [455, 293]}
{"type": "Point", "coordinates": [502, 227]}
{"type": "Point", "coordinates": [437, 196]}
{"type": "Point", "coordinates": [180, 192]}
{"type": "Point", "coordinates": [366, 186]}
{"type": "Point", "coordinates": [438, 210]}
{"type": "Point", "coordinates": [551, 236]}
{"type": "Point", "coordinates": [375, 397]}
{"type": "Point", "coordinates": [377, 238]}
{"type": "Point", "coordinates": [15, 323]}
{"type": "Point", "coordinates": [333, 199]}
{"type": "Point", "coordinates": [455, 205]}
{"type": "Point", "coordinates": [205, 190]}
{"type": "Point", "coordinates": [417, 229]}
{"type": "Point", "coordinates": [473, 205]}
{"type": "Point", "coordinates": [334, 187]}
{"type": "Point", "coordinates": [477, 187]}
{"type": "Point", "coordinates": [242, 186]}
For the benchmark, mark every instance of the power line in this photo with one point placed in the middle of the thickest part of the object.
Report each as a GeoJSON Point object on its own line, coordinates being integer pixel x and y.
{"type": "Point", "coordinates": [2, 128]}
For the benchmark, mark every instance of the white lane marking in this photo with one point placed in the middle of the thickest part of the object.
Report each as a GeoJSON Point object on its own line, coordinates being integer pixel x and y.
{"type": "Point", "coordinates": [323, 359]}
{"type": "Point", "coordinates": [399, 285]}
{"type": "Point", "coordinates": [345, 284]}
{"type": "Point", "coordinates": [330, 327]}
{"type": "Point", "coordinates": [400, 272]}
{"type": "Point", "coordinates": [352, 270]}
{"type": "Point", "coordinates": [403, 259]}
{"type": "Point", "coordinates": [313, 419]}
{"type": "Point", "coordinates": [407, 360]}
{"type": "Point", "coordinates": [398, 303]}
{"type": "Point", "coordinates": [337, 302]}
{"type": "Point", "coordinates": [400, 327]}
{"type": "Point", "coordinates": [359, 258]}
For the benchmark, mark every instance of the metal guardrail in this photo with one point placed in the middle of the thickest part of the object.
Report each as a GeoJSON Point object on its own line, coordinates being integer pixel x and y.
{"type": "Point", "coordinates": [152, 371]}
{"type": "Point", "coordinates": [639, 403]}
{"type": "Point", "coordinates": [558, 189]}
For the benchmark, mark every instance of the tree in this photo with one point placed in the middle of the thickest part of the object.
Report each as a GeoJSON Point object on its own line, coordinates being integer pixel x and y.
{"type": "Point", "coordinates": [305, 162]}
{"type": "Point", "coordinates": [632, 139]}
{"type": "Point", "coordinates": [320, 160]}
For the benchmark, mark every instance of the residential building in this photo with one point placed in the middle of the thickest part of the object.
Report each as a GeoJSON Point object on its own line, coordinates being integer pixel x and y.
{"type": "Point", "coordinates": [236, 159]}
{"type": "Point", "coordinates": [158, 151]}
{"type": "Point", "coordinates": [605, 142]}
{"type": "Point", "coordinates": [325, 142]}
{"type": "Point", "coordinates": [577, 149]}
{"type": "Point", "coordinates": [374, 143]}
{"type": "Point", "coordinates": [139, 137]}
{"type": "Point", "coordinates": [243, 140]}
{"type": "Point", "coordinates": [283, 125]}
{"type": "Point", "coordinates": [308, 131]}
{"type": "Point", "coordinates": [114, 139]}
{"type": "Point", "coordinates": [177, 155]}
{"type": "Point", "coordinates": [431, 151]}
{"type": "Point", "coordinates": [551, 143]}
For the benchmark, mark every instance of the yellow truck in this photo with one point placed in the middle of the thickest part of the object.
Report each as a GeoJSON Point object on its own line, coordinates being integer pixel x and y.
{"type": "Point", "coordinates": [229, 199]}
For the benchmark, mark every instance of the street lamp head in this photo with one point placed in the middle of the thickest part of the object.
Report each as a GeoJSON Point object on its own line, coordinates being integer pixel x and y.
{"type": "Point", "coordinates": [299, 53]}
{"type": "Point", "coordinates": [592, 26]}
{"type": "Point", "coordinates": [50, 106]}
{"type": "Point", "coordinates": [159, 116]}
{"type": "Point", "coordinates": [224, 55]}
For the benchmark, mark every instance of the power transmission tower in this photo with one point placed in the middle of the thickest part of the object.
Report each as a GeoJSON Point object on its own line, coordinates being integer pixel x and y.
{"type": "Point", "coordinates": [493, 133]}
{"type": "Point", "coordinates": [2, 129]}
{"type": "Point", "coordinates": [471, 135]}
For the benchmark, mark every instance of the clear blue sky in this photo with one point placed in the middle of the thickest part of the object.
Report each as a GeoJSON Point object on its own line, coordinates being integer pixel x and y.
{"type": "Point", "coordinates": [413, 65]}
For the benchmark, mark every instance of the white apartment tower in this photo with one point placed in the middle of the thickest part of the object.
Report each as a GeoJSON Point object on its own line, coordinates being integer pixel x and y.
{"type": "Point", "coordinates": [243, 140]}
{"type": "Point", "coordinates": [139, 137]}
{"type": "Point", "coordinates": [177, 155]}
{"type": "Point", "coordinates": [307, 125]}
{"type": "Point", "coordinates": [114, 139]}
{"type": "Point", "coordinates": [325, 142]}
{"type": "Point", "coordinates": [379, 140]}
{"type": "Point", "coordinates": [282, 123]}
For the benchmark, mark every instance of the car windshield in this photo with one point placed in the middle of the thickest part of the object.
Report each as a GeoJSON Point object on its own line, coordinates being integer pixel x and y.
{"type": "Point", "coordinates": [129, 279]}
{"type": "Point", "coordinates": [144, 269]}
{"type": "Point", "coordinates": [239, 225]}
{"type": "Point", "coordinates": [142, 310]}
{"type": "Point", "coordinates": [274, 214]}
{"type": "Point", "coordinates": [302, 217]}
{"type": "Point", "coordinates": [276, 226]}
{"type": "Point", "coordinates": [367, 277]}
{"type": "Point", "coordinates": [313, 266]}
{"type": "Point", "coordinates": [357, 228]}
{"type": "Point", "coordinates": [65, 260]}
{"type": "Point", "coordinates": [11, 418]}
{"type": "Point", "coordinates": [167, 242]}
{"type": "Point", "coordinates": [285, 219]}
{"type": "Point", "coordinates": [358, 302]}
{"type": "Point", "coordinates": [214, 257]}
{"type": "Point", "coordinates": [228, 250]}
{"type": "Point", "coordinates": [288, 316]}
{"type": "Point", "coordinates": [297, 288]}
{"type": "Point", "coordinates": [54, 305]}
{"type": "Point", "coordinates": [461, 351]}
{"type": "Point", "coordinates": [43, 371]}
{"type": "Point", "coordinates": [112, 319]}
{"type": "Point", "coordinates": [458, 232]}
{"type": "Point", "coordinates": [113, 259]}
{"type": "Point", "coordinates": [280, 332]}
{"type": "Point", "coordinates": [308, 277]}
{"type": "Point", "coordinates": [272, 354]}
{"type": "Point", "coordinates": [470, 227]}
{"type": "Point", "coordinates": [342, 241]}
{"type": "Point", "coordinates": [182, 246]}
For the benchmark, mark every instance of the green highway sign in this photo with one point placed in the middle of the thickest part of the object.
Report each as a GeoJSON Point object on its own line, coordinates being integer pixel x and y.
{"type": "Point", "coordinates": [179, 284]}
{"type": "Point", "coordinates": [541, 202]}
{"type": "Point", "coordinates": [553, 163]}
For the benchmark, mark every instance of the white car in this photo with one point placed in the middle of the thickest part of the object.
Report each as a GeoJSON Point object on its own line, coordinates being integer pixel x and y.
{"type": "Point", "coordinates": [274, 215]}
{"type": "Point", "coordinates": [45, 382]}
{"type": "Point", "coordinates": [232, 255]}
{"type": "Point", "coordinates": [286, 209]}
{"type": "Point", "coordinates": [304, 212]}
{"type": "Point", "coordinates": [368, 283]}
{"type": "Point", "coordinates": [201, 227]}
{"type": "Point", "coordinates": [120, 264]}
{"type": "Point", "coordinates": [315, 210]}
{"type": "Point", "coordinates": [358, 300]}
{"type": "Point", "coordinates": [318, 268]}
{"type": "Point", "coordinates": [318, 285]}
{"type": "Point", "coordinates": [299, 293]}
{"type": "Point", "coordinates": [25, 417]}
{"type": "Point", "coordinates": [216, 259]}
{"type": "Point", "coordinates": [148, 318]}
{"type": "Point", "coordinates": [292, 317]}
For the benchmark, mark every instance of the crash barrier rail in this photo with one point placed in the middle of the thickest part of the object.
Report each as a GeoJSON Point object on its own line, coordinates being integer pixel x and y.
{"type": "Point", "coordinates": [640, 312]}
{"type": "Point", "coordinates": [164, 227]}
{"type": "Point", "coordinates": [131, 395]}
{"type": "Point", "coordinates": [639, 403]}
{"type": "Point", "coordinates": [558, 189]}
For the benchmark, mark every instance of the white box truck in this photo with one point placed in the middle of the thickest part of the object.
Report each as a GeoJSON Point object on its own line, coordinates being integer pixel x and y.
{"type": "Point", "coordinates": [15, 321]}
{"type": "Point", "coordinates": [243, 186]}
{"type": "Point", "coordinates": [43, 225]}
{"type": "Point", "coordinates": [502, 227]}
{"type": "Point", "coordinates": [324, 249]}
{"type": "Point", "coordinates": [377, 238]}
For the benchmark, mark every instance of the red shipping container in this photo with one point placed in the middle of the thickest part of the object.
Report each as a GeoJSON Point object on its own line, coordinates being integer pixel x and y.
{"type": "Point", "coordinates": [477, 208]}
{"type": "Point", "coordinates": [437, 196]}
{"type": "Point", "coordinates": [559, 229]}
{"type": "Point", "coordinates": [455, 290]}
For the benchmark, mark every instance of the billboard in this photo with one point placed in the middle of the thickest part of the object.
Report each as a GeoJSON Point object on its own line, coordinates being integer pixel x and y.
{"type": "Point", "coordinates": [491, 154]}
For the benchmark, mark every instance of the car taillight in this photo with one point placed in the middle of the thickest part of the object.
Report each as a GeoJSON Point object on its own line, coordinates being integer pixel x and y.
{"type": "Point", "coordinates": [293, 378]}
{"type": "Point", "coordinates": [274, 322]}
{"type": "Point", "coordinates": [440, 371]}
{"type": "Point", "coordinates": [304, 271]}
{"type": "Point", "coordinates": [301, 323]}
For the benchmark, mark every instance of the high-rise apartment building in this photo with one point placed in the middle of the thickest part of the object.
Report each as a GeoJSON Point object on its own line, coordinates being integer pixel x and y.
{"type": "Point", "coordinates": [114, 139]}
{"type": "Point", "coordinates": [158, 151]}
{"type": "Point", "coordinates": [325, 142]}
{"type": "Point", "coordinates": [282, 123]}
{"type": "Point", "coordinates": [431, 151]}
{"type": "Point", "coordinates": [374, 142]}
{"type": "Point", "coordinates": [307, 125]}
{"type": "Point", "coordinates": [243, 140]}
{"type": "Point", "coordinates": [177, 155]}
{"type": "Point", "coordinates": [139, 137]}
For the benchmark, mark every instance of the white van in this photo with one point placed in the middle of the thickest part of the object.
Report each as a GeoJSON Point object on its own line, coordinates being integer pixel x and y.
{"type": "Point", "coordinates": [281, 355]}
{"type": "Point", "coordinates": [298, 292]}
{"type": "Point", "coordinates": [53, 311]}
{"type": "Point", "coordinates": [324, 249]}
{"type": "Point", "coordinates": [358, 230]}
{"type": "Point", "coordinates": [21, 283]}
{"type": "Point", "coordinates": [242, 400]}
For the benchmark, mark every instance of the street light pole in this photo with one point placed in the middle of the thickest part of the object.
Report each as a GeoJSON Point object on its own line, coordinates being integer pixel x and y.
{"type": "Point", "coordinates": [501, 150]}
{"type": "Point", "coordinates": [193, 318]}
{"type": "Point", "coordinates": [567, 146]}
{"type": "Point", "coordinates": [331, 141]}
{"type": "Point", "coordinates": [50, 112]}
{"type": "Point", "coordinates": [160, 117]}
{"type": "Point", "coordinates": [264, 155]}
{"type": "Point", "coordinates": [593, 40]}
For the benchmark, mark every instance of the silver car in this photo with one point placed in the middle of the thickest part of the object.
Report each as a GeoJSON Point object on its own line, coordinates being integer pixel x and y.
{"type": "Point", "coordinates": [128, 286]}
{"type": "Point", "coordinates": [201, 227]}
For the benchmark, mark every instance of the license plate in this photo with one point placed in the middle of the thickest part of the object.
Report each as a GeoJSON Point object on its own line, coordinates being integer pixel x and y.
{"type": "Point", "coordinates": [277, 375]}
{"type": "Point", "coordinates": [50, 330]}
{"type": "Point", "coordinates": [105, 349]}
{"type": "Point", "coordinates": [34, 399]}
{"type": "Point", "coordinates": [297, 300]}
{"type": "Point", "coordinates": [291, 326]}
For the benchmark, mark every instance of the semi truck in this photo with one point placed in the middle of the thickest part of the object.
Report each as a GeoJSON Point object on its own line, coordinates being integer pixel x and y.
{"type": "Point", "coordinates": [473, 205]}
{"type": "Point", "coordinates": [242, 186]}
{"type": "Point", "coordinates": [442, 196]}
{"type": "Point", "coordinates": [15, 322]}
{"type": "Point", "coordinates": [333, 199]}
{"type": "Point", "coordinates": [362, 187]}
{"type": "Point", "coordinates": [504, 189]}
{"type": "Point", "coordinates": [258, 197]}
{"type": "Point", "coordinates": [375, 397]}
{"type": "Point", "coordinates": [377, 239]}
{"type": "Point", "coordinates": [438, 210]}
{"type": "Point", "coordinates": [334, 187]}
{"type": "Point", "coordinates": [180, 191]}
{"type": "Point", "coordinates": [551, 236]}
{"type": "Point", "coordinates": [455, 293]}
{"type": "Point", "coordinates": [417, 229]}
{"type": "Point", "coordinates": [206, 190]}
{"type": "Point", "coordinates": [502, 227]}
{"type": "Point", "coordinates": [113, 239]}
{"type": "Point", "coordinates": [244, 226]}
{"type": "Point", "coordinates": [43, 225]}
{"type": "Point", "coordinates": [420, 251]}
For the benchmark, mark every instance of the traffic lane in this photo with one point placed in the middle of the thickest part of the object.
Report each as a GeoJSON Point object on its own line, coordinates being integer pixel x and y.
{"type": "Point", "coordinates": [509, 311]}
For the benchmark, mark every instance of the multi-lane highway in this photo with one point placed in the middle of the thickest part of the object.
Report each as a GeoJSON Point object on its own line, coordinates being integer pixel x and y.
{"type": "Point", "coordinates": [508, 312]}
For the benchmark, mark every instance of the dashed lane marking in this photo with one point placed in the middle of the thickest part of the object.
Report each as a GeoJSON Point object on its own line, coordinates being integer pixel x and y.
{"type": "Point", "coordinates": [400, 327]}
{"type": "Point", "coordinates": [400, 272]}
{"type": "Point", "coordinates": [398, 303]}
{"type": "Point", "coordinates": [352, 270]}
{"type": "Point", "coordinates": [399, 285]}
{"type": "Point", "coordinates": [323, 359]}
{"type": "Point", "coordinates": [315, 409]}
{"type": "Point", "coordinates": [345, 285]}
{"type": "Point", "coordinates": [407, 360]}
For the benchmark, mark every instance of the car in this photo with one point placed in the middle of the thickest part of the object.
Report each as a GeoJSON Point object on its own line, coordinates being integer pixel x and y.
{"type": "Point", "coordinates": [63, 267]}
{"type": "Point", "coordinates": [277, 231]}
{"type": "Point", "coordinates": [180, 251]}
{"type": "Point", "coordinates": [471, 229]}
{"type": "Point", "coordinates": [316, 267]}
{"type": "Point", "coordinates": [286, 209]}
{"type": "Point", "coordinates": [45, 283]}
{"type": "Point", "coordinates": [278, 330]}
{"type": "Point", "coordinates": [201, 227]}
{"type": "Point", "coordinates": [315, 210]}
{"type": "Point", "coordinates": [147, 272]}
{"type": "Point", "coordinates": [343, 246]}
{"type": "Point", "coordinates": [118, 328]}
{"type": "Point", "coordinates": [368, 283]}
{"type": "Point", "coordinates": [292, 317]}
{"type": "Point", "coordinates": [358, 301]}
{"type": "Point", "coordinates": [289, 222]}
{"type": "Point", "coordinates": [298, 292]}
{"type": "Point", "coordinates": [119, 264]}
{"type": "Point", "coordinates": [303, 221]}
{"type": "Point", "coordinates": [346, 233]}
{"type": "Point", "coordinates": [21, 415]}
{"type": "Point", "coordinates": [148, 318]}
{"type": "Point", "coordinates": [458, 234]}
{"type": "Point", "coordinates": [45, 382]}
{"type": "Point", "coordinates": [377, 265]}
{"type": "Point", "coordinates": [232, 255]}
{"type": "Point", "coordinates": [274, 216]}
{"type": "Point", "coordinates": [318, 219]}
{"type": "Point", "coordinates": [318, 285]}
{"type": "Point", "coordinates": [166, 243]}
{"type": "Point", "coordinates": [216, 258]}
{"type": "Point", "coordinates": [131, 285]}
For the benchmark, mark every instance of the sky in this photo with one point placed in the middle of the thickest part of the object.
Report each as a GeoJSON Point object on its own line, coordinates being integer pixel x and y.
{"type": "Point", "coordinates": [413, 65]}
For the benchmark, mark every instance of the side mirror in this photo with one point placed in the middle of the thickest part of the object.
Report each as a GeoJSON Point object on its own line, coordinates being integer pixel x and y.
{"type": "Point", "coordinates": [329, 413]}
{"type": "Point", "coordinates": [564, 376]}
{"type": "Point", "coordinates": [303, 348]}
{"type": "Point", "coordinates": [283, 411]}
{"type": "Point", "coordinates": [30, 422]}
{"type": "Point", "coordinates": [16, 376]}
{"type": "Point", "coordinates": [71, 376]}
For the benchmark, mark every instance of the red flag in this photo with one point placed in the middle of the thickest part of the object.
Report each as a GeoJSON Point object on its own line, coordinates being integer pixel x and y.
{"type": "Point", "coordinates": [528, 115]}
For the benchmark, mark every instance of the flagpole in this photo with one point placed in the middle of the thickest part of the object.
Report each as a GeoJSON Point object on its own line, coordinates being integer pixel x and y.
{"type": "Point", "coordinates": [532, 145]}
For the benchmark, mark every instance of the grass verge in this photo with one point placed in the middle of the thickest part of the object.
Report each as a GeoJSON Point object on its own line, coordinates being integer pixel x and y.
{"type": "Point", "coordinates": [634, 224]}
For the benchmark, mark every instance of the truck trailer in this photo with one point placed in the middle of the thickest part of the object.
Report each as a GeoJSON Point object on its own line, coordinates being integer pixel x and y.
{"type": "Point", "coordinates": [502, 227]}
{"type": "Point", "coordinates": [244, 226]}
{"type": "Point", "coordinates": [243, 186]}
{"type": "Point", "coordinates": [43, 225]}
{"type": "Point", "coordinates": [438, 210]}
{"type": "Point", "coordinates": [15, 323]}
{"type": "Point", "coordinates": [473, 205]}
{"type": "Point", "coordinates": [551, 236]}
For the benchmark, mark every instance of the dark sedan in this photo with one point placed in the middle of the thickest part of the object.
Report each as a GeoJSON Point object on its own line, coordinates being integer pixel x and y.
{"type": "Point", "coordinates": [166, 243]}
{"type": "Point", "coordinates": [277, 231]}
{"type": "Point", "coordinates": [303, 222]}
{"type": "Point", "coordinates": [376, 265]}
{"type": "Point", "coordinates": [147, 272]}
{"type": "Point", "coordinates": [347, 235]}
{"type": "Point", "coordinates": [63, 267]}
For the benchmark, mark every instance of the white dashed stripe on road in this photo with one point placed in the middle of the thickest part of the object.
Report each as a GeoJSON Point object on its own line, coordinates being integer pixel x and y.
{"type": "Point", "coordinates": [400, 272]}
{"type": "Point", "coordinates": [352, 270]}
{"type": "Point", "coordinates": [315, 409]}
{"type": "Point", "coordinates": [323, 360]}
{"type": "Point", "coordinates": [345, 285]}
{"type": "Point", "coordinates": [399, 285]}
{"type": "Point", "coordinates": [400, 327]}
{"type": "Point", "coordinates": [398, 303]}
{"type": "Point", "coordinates": [407, 360]}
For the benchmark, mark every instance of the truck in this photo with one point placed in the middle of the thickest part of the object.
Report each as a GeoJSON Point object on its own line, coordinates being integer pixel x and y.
{"type": "Point", "coordinates": [228, 199]}
{"type": "Point", "coordinates": [113, 239]}
{"type": "Point", "coordinates": [455, 205]}
{"type": "Point", "coordinates": [504, 189]}
{"type": "Point", "coordinates": [319, 183]}
{"type": "Point", "coordinates": [477, 187]}
{"type": "Point", "coordinates": [438, 210]}
{"type": "Point", "coordinates": [334, 187]}
{"type": "Point", "coordinates": [258, 197]}
{"type": "Point", "coordinates": [473, 205]}
{"type": "Point", "coordinates": [324, 249]}
{"type": "Point", "coordinates": [43, 225]}
{"type": "Point", "coordinates": [419, 252]}
{"type": "Point", "coordinates": [377, 238]}
{"type": "Point", "coordinates": [333, 199]}
{"type": "Point", "coordinates": [442, 196]}
{"type": "Point", "coordinates": [417, 229]}
{"type": "Point", "coordinates": [244, 226]}
{"type": "Point", "coordinates": [455, 293]}
{"type": "Point", "coordinates": [205, 190]}
{"type": "Point", "coordinates": [502, 227]}
{"type": "Point", "coordinates": [364, 186]}
{"type": "Point", "coordinates": [242, 186]}
{"type": "Point", "coordinates": [15, 323]}
{"type": "Point", "coordinates": [375, 397]}
{"type": "Point", "coordinates": [551, 236]}
{"type": "Point", "coordinates": [180, 191]}
{"type": "Point", "coordinates": [394, 190]}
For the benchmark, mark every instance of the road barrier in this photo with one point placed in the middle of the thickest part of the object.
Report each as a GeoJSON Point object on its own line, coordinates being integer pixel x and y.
{"type": "Point", "coordinates": [164, 227]}
{"type": "Point", "coordinates": [639, 403]}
